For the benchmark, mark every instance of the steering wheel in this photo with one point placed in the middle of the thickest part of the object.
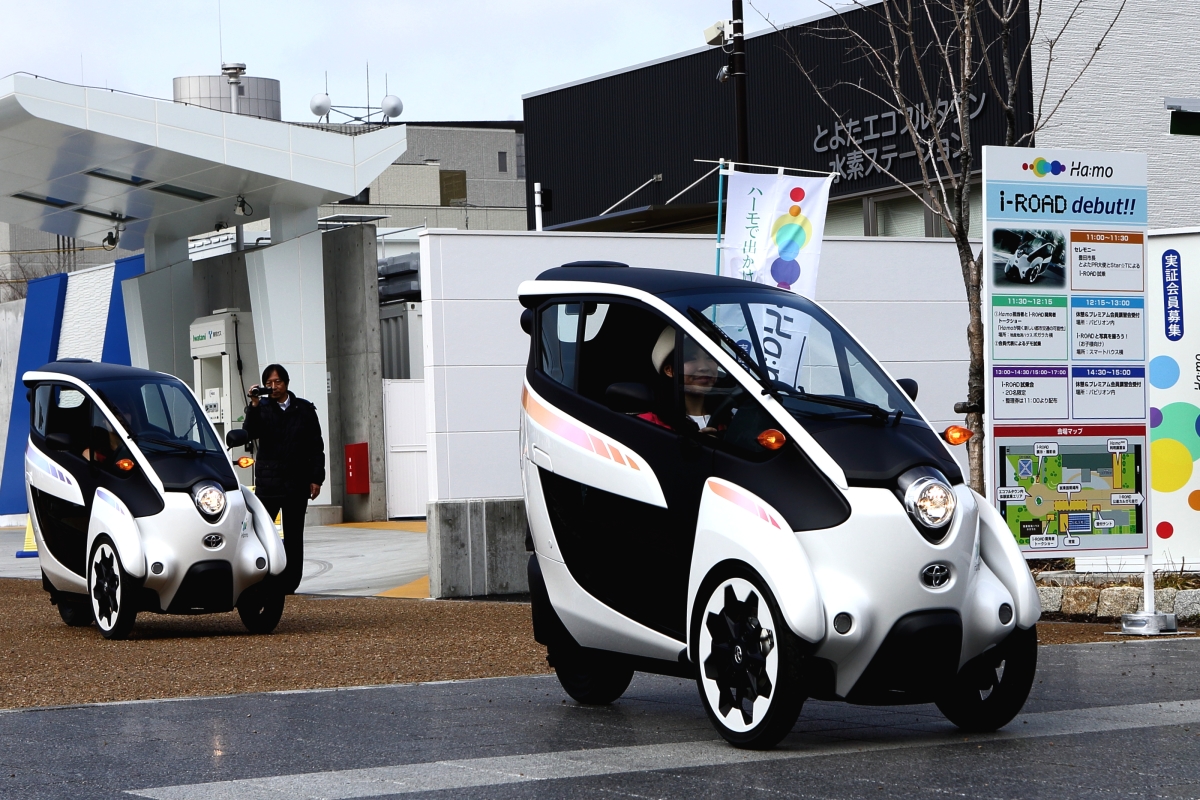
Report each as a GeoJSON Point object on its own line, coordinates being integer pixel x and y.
{"type": "Point", "coordinates": [725, 409]}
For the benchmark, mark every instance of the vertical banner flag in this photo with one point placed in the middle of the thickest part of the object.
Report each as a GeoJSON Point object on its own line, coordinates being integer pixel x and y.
{"type": "Point", "coordinates": [773, 229]}
{"type": "Point", "coordinates": [1066, 358]}
{"type": "Point", "coordinates": [1173, 311]}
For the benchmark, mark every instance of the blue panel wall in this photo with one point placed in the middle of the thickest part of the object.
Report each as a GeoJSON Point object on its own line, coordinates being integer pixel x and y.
{"type": "Point", "coordinates": [116, 335]}
{"type": "Point", "coordinates": [39, 345]}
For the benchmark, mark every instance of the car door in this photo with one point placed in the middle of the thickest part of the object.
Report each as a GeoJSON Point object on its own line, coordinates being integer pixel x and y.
{"type": "Point", "coordinates": [625, 521]}
{"type": "Point", "coordinates": [61, 484]}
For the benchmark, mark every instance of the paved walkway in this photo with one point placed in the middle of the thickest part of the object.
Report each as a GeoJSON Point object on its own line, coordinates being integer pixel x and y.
{"type": "Point", "coordinates": [1105, 720]}
{"type": "Point", "coordinates": [373, 558]}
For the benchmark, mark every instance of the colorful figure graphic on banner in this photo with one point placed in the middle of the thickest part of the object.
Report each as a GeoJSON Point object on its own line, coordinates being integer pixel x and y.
{"type": "Point", "coordinates": [791, 232]}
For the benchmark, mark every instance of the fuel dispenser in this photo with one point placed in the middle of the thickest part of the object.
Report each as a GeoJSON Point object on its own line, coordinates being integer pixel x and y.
{"type": "Point", "coordinates": [225, 365]}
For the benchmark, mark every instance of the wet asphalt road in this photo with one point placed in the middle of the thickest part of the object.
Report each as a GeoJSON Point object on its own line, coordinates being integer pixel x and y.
{"type": "Point", "coordinates": [1105, 720]}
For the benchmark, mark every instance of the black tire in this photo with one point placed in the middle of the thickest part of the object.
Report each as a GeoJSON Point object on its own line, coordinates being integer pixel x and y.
{"type": "Point", "coordinates": [113, 594]}
{"type": "Point", "coordinates": [261, 608]}
{"type": "Point", "coordinates": [991, 689]}
{"type": "Point", "coordinates": [75, 611]}
{"type": "Point", "coordinates": [591, 677]}
{"type": "Point", "coordinates": [749, 662]}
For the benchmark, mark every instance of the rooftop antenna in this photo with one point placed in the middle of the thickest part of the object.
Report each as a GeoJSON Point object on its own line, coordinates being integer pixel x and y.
{"type": "Point", "coordinates": [220, 32]}
{"type": "Point", "coordinates": [368, 88]}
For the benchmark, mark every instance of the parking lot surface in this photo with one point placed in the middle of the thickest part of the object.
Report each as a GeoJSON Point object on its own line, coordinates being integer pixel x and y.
{"type": "Point", "coordinates": [1111, 719]}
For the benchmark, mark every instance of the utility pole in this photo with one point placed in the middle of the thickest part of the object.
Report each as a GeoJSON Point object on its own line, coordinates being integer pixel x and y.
{"type": "Point", "coordinates": [737, 63]}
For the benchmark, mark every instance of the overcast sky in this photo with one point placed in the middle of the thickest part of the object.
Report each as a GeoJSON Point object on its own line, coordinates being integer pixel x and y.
{"type": "Point", "coordinates": [447, 59]}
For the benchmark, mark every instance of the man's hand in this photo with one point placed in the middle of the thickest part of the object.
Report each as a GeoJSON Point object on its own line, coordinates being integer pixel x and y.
{"type": "Point", "coordinates": [314, 489]}
{"type": "Point", "coordinates": [253, 397]}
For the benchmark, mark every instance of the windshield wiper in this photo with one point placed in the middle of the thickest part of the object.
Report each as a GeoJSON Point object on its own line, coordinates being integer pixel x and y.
{"type": "Point", "coordinates": [180, 446]}
{"type": "Point", "coordinates": [850, 403]}
{"type": "Point", "coordinates": [709, 327]}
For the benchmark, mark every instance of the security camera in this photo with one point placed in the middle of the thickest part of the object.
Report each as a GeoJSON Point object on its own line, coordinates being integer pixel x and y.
{"type": "Point", "coordinates": [723, 74]}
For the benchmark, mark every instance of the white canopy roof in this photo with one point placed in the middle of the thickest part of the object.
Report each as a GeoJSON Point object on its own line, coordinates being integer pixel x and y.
{"type": "Point", "coordinates": [74, 161]}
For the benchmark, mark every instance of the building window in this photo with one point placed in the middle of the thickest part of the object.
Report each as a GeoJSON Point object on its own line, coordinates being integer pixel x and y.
{"type": "Point", "coordinates": [502, 161]}
{"type": "Point", "coordinates": [844, 218]}
{"type": "Point", "coordinates": [454, 186]}
{"type": "Point", "coordinates": [900, 215]}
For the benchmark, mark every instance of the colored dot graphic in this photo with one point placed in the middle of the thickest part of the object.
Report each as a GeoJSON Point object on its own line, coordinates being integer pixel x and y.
{"type": "Point", "coordinates": [1164, 372]}
{"type": "Point", "coordinates": [791, 232]}
{"type": "Point", "coordinates": [1041, 167]}
{"type": "Point", "coordinates": [1174, 441]}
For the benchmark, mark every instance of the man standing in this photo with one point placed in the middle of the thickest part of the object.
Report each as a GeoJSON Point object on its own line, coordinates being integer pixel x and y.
{"type": "Point", "coordinates": [290, 462]}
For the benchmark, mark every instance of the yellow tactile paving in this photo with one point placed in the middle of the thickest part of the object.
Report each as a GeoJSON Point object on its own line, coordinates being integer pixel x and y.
{"type": "Point", "coordinates": [412, 526]}
{"type": "Point", "coordinates": [417, 589]}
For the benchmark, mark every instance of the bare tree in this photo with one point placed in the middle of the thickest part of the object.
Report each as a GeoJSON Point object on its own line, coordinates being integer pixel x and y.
{"type": "Point", "coordinates": [923, 60]}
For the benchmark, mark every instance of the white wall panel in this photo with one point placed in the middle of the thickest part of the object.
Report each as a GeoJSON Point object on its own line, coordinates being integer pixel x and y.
{"type": "Point", "coordinates": [85, 311]}
{"type": "Point", "coordinates": [903, 298]}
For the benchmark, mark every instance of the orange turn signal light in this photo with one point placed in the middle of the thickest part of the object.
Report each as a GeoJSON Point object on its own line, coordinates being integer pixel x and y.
{"type": "Point", "coordinates": [125, 464]}
{"type": "Point", "coordinates": [772, 439]}
{"type": "Point", "coordinates": [245, 461]}
{"type": "Point", "coordinates": [957, 434]}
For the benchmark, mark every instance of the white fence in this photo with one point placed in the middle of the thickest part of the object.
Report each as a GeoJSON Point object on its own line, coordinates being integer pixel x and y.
{"type": "Point", "coordinates": [404, 436]}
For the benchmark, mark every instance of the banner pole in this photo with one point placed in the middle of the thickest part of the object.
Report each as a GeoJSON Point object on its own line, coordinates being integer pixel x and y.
{"type": "Point", "coordinates": [720, 209]}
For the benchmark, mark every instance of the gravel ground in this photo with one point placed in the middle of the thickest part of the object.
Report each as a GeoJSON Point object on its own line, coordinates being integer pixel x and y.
{"type": "Point", "coordinates": [321, 642]}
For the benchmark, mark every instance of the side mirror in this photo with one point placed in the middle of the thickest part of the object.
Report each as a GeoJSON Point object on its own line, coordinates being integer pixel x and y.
{"type": "Point", "coordinates": [236, 438]}
{"type": "Point", "coordinates": [629, 398]}
{"type": "Point", "coordinates": [58, 441]}
{"type": "Point", "coordinates": [527, 321]}
{"type": "Point", "coordinates": [909, 386]}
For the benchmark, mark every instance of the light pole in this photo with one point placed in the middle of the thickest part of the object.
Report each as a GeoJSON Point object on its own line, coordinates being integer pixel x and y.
{"type": "Point", "coordinates": [737, 64]}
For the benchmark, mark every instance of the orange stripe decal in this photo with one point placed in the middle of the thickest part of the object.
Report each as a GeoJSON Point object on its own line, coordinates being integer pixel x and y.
{"type": "Point", "coordinates": [558, 425]}
{"type": "Point", "coordinates": [616, 454]}
{"type": "Point", "coordinates": [599, 447]}
{"type": "Point", "coordinates": [743, 501]}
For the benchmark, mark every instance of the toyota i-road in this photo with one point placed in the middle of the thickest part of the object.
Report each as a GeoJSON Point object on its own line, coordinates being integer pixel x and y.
{"type": "Point", "coordinates": [722, 483]}
{"type": "Point", "coordinates": [135, 505]}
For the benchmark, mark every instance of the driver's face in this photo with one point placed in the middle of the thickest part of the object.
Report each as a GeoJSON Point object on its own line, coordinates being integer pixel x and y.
{"type": "Point", "coordinates": [699, 373]}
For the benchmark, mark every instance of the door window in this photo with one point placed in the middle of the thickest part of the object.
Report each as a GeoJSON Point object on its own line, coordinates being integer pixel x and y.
{"type": "Point", "coordinates": [41, 408]}
{"type": "Point", "coordinates": [559, 336]}
{"type": "Point", "coordinates": [69, 413]}
{"type": "Point", "coordinates": [106, 445]}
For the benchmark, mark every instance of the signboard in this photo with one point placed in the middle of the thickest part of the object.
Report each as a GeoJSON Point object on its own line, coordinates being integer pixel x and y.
{"type": "Point", "coordinates": [1173, 314]}
{"type": "Point", "coordinates": [1065, 298]}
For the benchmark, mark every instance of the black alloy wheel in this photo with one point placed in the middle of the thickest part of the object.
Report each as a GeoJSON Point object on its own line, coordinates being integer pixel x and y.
{"type": "Point", "coordinates": [991, 688]}
{"type": "Point", "coordinates": [750, 662]}
{"type": "Point", "coordinates": [112, 591]}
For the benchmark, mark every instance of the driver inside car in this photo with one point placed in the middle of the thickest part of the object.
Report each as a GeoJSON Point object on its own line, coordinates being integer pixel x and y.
{"type": "Point", "coordinates": [700, 373]}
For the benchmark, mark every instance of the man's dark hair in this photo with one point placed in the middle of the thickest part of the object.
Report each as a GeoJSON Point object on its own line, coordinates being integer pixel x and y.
{"type": "Point", "coordinates": [278, 369]}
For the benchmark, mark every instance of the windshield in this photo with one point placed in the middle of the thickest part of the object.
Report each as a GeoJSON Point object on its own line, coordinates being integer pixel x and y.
{"type": "Point", "coordinates": [161, 415]}
{"type": "Point", "coordinates": [802, 351]}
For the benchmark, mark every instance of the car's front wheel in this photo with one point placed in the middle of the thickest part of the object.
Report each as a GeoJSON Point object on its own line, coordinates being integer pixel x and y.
{"type": "Point", "coordinates": [992, 688]}
{"type": "Point", "coordinates": [592, 677]}
{"type": "Point", "coordinates": [749, 661]}
{"type": "Point", "coordinates": [112, 591]}
{"type": "Point", "coordinates": [261, 608]}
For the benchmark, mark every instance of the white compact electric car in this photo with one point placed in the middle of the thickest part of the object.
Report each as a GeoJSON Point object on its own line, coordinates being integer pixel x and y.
{"type": "Point", "coordinates": [721, 483]}
{"type": "Point", "coordinates": [135, 504]}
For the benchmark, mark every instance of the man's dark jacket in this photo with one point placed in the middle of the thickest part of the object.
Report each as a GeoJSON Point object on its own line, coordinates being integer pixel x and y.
{"type": "Point", "coordinates": [291, 452]}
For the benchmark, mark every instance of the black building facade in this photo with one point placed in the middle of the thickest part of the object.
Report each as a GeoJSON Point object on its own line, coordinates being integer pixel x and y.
{"type": "Point", "coordinates": [592, 142]}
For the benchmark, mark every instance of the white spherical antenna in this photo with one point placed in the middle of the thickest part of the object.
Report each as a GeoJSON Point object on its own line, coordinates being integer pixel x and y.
{"type": "Point", "coordinates": [320, 104]}
{"type": "Point", "coordinates": [392, 107]}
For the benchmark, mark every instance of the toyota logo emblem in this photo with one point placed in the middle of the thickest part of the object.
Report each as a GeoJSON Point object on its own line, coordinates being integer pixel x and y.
{"type": "Point", "coordinates": [935, 576]}
{"type": "Point", "coordinates": [213, 540]}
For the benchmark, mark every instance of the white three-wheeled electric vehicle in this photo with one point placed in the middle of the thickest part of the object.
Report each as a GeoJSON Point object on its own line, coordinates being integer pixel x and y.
{"type": "Point", "coordinates": [135, 504]}
{"type": "Point", "coordinates": [722, 483]}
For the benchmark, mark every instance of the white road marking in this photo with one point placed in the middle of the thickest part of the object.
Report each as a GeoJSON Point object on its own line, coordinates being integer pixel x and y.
{"type": "Point", "coordinates": [474, 772]}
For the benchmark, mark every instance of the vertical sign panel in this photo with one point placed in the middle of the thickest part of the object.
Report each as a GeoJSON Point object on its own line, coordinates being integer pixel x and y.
{"type": "Point", "coordinates": [1068, 417]}
{"type": "Point", "coordinates": [1173, 314]}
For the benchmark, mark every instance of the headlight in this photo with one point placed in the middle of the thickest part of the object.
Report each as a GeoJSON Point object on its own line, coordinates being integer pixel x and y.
{"type": "Point", "coordinates": [929, 500]}
{"type": "Point", "coordinates": [210, 500]}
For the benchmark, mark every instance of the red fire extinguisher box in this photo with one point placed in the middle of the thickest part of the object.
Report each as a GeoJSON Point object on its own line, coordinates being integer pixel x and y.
{"type": "Point", "coordinates": [358, 469]}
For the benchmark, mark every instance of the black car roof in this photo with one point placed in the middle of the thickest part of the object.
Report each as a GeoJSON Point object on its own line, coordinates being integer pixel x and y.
{"type": "Point", "coordinates": [88, 371]}
{"type": "Point", "coordinates": [654, 281]}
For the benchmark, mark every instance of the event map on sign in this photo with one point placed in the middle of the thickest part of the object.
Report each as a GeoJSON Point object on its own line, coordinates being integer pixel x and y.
{"type": "Point", "coordinates": [1053, 492]}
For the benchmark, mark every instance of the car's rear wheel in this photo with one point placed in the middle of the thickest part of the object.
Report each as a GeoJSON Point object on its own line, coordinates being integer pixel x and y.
{"type": "Point", "coordinates": [261, 608]}
{"type": "Point", "coordinates": [75, 610]}
{"type": "Point", "coordinates": [991, 689]}
{"type": "Point", "coordinates": [112, 591]}
{"type": "Point", "coordinates": [749, 661]}
{"type": "Point", "coordinates": [592, 677]}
